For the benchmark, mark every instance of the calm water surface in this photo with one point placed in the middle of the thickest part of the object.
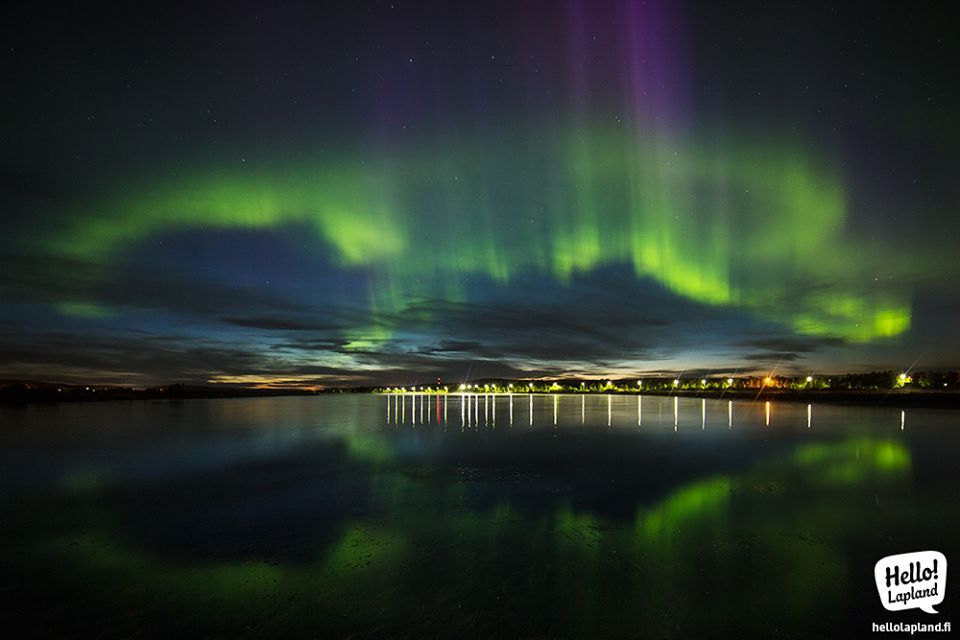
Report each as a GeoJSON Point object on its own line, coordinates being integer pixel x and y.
{"type": "Point", "coordinates": [357, 516]}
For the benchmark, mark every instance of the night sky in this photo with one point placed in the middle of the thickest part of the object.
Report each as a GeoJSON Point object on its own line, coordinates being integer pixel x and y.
{"type": "Point", "coordinates": [390, 192]}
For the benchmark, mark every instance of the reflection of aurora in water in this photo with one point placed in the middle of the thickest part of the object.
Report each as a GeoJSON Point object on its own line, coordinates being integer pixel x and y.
{"type": "Point", "coordinates": [384, 556]}
{"type": "Point", "coordinates": [225, 517]}
{"type": "Point", "coordinates": [745, 226]}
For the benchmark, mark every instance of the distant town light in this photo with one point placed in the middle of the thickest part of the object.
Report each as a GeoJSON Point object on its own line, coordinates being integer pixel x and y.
{"type": "Point", "coordinates": [729, 381]}
{"type": "Point", "coordinates": [703, 381]}
{"type": "Point", "coordinates": [767, 380]}
{"type": "Point", "coordinates": [809, 378]}
{"type": "Point", "coordinates": [676, 382]}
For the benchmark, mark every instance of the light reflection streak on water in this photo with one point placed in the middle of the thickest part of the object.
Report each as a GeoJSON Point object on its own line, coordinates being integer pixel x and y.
{"type": "Point", "coordinates": [470, 410]}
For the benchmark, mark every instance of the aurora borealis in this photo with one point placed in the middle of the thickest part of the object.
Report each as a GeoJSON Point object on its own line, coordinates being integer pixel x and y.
{"type": "Point", "coordinates": [392, 192]}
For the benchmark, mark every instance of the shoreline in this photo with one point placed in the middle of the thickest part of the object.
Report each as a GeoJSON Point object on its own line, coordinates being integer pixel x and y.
{"type": "Point", "coordinates": [44, 394]}
{"type": "Point", "coordinates": [26, 394]}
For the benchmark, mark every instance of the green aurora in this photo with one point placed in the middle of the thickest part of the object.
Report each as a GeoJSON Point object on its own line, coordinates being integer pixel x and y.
{"type": "Point", "coordinates": [745, 225]}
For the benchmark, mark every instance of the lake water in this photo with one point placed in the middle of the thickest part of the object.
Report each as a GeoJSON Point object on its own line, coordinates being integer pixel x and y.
{"type": "Point", "coordinates": [351, 515]}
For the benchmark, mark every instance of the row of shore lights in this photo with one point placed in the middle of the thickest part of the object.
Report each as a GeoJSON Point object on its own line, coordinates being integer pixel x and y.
{"type": "Point", "coordinates": [903, 378]}
{"type": "Point", "coordinates": [463, 387]}
{"type": "Point", "coordinates": [703, 381]}
{"type": "Point", "coordinates": [486, 387]}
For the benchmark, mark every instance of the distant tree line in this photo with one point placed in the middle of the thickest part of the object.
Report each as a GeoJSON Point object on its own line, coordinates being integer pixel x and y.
{"type": "Point", "coordinates": [870, 381]}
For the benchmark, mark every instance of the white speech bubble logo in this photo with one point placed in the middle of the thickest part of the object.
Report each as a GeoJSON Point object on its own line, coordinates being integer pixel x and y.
{"type": "Point", "coordinates": [915, 580]}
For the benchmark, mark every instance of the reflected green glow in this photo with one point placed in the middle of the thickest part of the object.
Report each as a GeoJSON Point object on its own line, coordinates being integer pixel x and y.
{"type": "Point", "coordinates": [746, 225]}
{"type": "Point", "coordinates": [359, 546]}
{"type": "Point", "coordinates": [371, 568]}
{"type": "Point", "coordinates": [853, 462]}
{"type": "Point", "coordinates": [703, 499]}
{"type": "Point", "coordinates": [218, 584]}
{"type": "Point", "coordinates": [368, 447]}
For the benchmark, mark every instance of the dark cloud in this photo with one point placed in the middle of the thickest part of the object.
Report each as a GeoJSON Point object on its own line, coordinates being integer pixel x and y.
{"type": "Point", "coordinates": [451, 346]}
{"type": "Point", "coordinates": [44, 279]}
{"type": "Point", "coordinates": [766, 352]}
{"type": "Point", "coordinates": [272, 324]}
{"type": "Point", "coordinates": [791, 344]}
